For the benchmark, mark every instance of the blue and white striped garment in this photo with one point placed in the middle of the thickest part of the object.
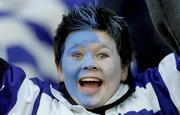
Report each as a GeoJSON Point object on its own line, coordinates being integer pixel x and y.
{"type": "Point", "coordinates": [156, 92]}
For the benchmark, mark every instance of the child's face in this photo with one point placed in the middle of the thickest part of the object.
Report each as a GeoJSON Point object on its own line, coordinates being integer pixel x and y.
{"type": "Point", "coordinates": [91, 67]}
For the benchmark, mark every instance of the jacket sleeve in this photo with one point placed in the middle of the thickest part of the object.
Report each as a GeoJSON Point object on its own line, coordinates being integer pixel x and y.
{"type": "Point", "coordinates": [11, 78]}
{"type": "Point", "coordinates": [169, 68]}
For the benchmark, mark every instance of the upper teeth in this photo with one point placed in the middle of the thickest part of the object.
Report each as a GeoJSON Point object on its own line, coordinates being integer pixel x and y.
{"type": "Point", "coordinates": [90, 79]}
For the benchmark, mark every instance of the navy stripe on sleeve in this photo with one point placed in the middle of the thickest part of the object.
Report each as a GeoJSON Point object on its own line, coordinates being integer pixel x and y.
{"type": "Point", "coordinates": [143, 112]}
{"type": "Point", "coordinates": [177, 57]}
{"type": "Point", "coordinates": [11, 81]}
{"type": "Point", "coordinates": [44, 88]}
{"type": "Point", "coordinates": [153, 76]}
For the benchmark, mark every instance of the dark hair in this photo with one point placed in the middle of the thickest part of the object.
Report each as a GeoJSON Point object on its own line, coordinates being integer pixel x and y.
{"type": "Point", "coordinates": [94, 17]}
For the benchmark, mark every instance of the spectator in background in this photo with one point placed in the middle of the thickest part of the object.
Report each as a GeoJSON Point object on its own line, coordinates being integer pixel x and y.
{"type": "Point", "coordinates": [27, 28]}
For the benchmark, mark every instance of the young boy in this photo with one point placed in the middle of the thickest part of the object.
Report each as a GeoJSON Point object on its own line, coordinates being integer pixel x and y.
{"type": "Point", "coordinates": [92, 55]}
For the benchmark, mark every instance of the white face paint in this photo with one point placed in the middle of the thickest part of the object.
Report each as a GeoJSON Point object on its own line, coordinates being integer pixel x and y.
{"type": "Point", "coordinates": [91, 67]}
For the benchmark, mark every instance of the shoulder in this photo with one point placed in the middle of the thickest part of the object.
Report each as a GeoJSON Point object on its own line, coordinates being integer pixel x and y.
{"type": "Point", "coordinates": [171, 63]}
{"type": "Point", "coordinates": [169, 69]}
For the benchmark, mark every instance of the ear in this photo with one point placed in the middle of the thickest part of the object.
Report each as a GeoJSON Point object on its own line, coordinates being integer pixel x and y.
{"type": "Point", "coordinates": [124, 72]}
{"type": "Point", "coordinates": [60, 72]}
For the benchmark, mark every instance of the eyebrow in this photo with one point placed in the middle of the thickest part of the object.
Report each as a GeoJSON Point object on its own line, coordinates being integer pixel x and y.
{"type": "Point", "coordinates": [101, 46]}
{"type": "Point", "coordinates": [104, 46]}
{"type": "Point", "coordinates": [74, 46]}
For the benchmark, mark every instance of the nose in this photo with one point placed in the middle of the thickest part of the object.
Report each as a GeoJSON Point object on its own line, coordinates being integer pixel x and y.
{"type": "Point", "coordinates": [89, 64]}
{"type": "Point", "coordinates": [89, 67]}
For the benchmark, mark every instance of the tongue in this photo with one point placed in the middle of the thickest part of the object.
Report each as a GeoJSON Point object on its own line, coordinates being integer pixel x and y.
{"type": "Point", "coordinates": [91, 85]}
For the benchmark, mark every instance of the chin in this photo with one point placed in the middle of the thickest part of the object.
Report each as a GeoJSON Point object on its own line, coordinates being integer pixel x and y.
{"type": "Point", "coordinates": [91, 104]}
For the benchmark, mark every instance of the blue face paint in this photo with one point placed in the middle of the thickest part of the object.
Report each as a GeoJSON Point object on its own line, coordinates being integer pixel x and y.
{"type": "Point", "coordinates": [91, 67]}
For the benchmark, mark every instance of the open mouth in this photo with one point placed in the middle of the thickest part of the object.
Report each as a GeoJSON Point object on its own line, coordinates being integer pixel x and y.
{"type": "Point", "coordinates": [90, 84]}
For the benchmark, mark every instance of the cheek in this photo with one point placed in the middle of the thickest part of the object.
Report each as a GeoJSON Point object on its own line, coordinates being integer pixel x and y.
{"type": "Point", "coordinates": [111, 69]}
{"type": "Point", "coordinates": [70, 69]}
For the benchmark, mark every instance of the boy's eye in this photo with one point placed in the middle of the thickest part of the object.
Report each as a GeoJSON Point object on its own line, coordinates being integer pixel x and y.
{"type": "Point", "coordinates": [77, 56]}
{"type": "Point", "coordinates": [102, 56]}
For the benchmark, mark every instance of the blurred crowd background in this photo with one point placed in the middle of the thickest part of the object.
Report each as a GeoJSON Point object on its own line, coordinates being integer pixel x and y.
{"type": "Point", "coordinates": [27, 28]}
